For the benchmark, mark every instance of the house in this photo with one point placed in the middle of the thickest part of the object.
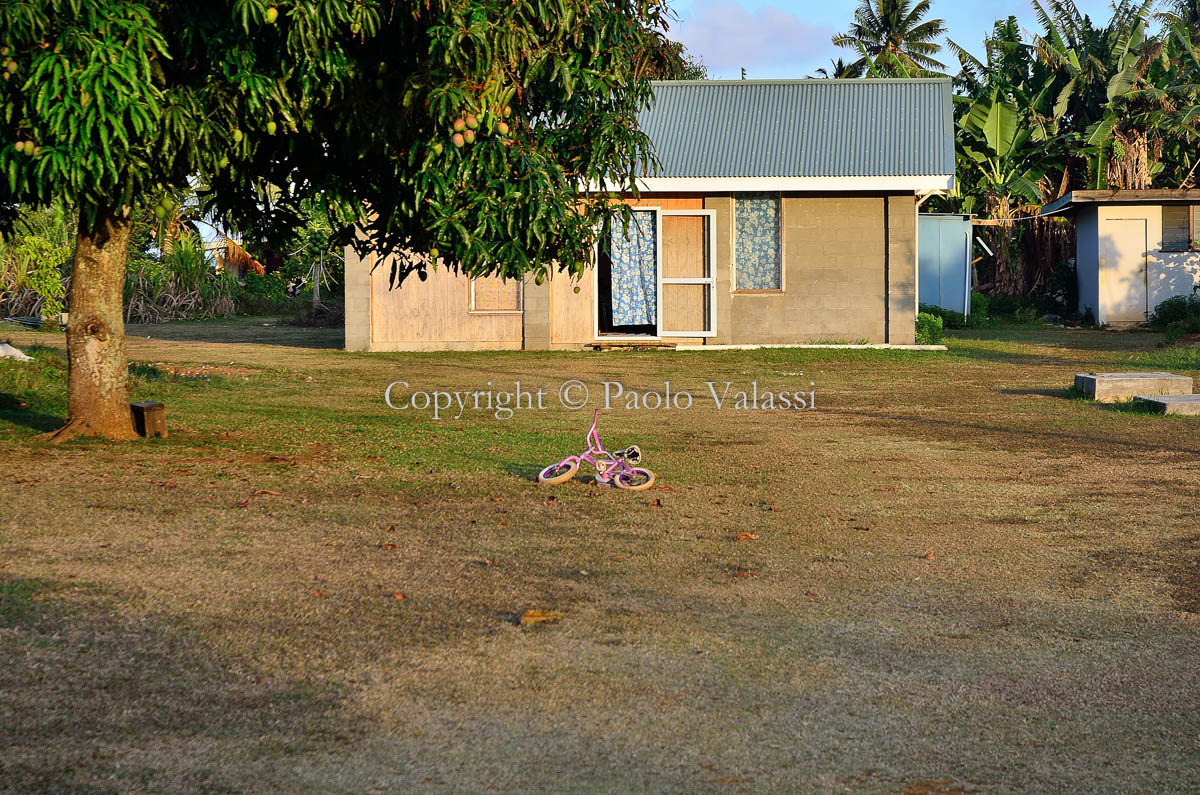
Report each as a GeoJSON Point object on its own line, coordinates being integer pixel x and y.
{"type": "Point", "coordinates": [783, 212]}
{"type": "Point", "coordinates": [944, 251]}
{"type": "Point", "coordinates": [1134, 249]}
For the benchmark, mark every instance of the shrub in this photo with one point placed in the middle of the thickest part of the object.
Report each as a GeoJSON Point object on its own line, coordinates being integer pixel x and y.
{"type": "Point", "coordinates": [1064, 289]}
{"type": "Point", "coordinates": [950, 318]}
{"type": "Point", "coordinates": [1182, 311]}
{"type": "Point", "coordinates": [34, 263]}
{"type": "Point", "coordinates": [981, 307]}
{"type": "Point", "coordinates": [1027, 314]}
{"type": "Point", "coordinates": [265, 294]}
{"type": "Point", "coordinates": [182, 285]}
{"type": "Point", "coordinates": [1173, 334]}
{"type": "Point", "coordinates": [929, 329]}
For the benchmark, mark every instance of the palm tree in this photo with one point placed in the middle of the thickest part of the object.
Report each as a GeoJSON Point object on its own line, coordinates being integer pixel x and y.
{"type": "Point", "coordinates": [840, 70]}
{"type": "Point", "coordinates": [893, 39]}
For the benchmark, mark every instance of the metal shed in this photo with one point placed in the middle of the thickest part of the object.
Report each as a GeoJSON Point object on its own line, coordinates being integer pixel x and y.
{"type": "Point", "coordinates": [944, 244]}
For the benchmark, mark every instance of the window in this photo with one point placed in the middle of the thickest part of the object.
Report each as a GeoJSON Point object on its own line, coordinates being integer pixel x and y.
{"type": "Point", "coordinates": [493, 295]}
{"type": "Point", "coordinates": [1179, 228]}
{"type": "Point", "coordinates": [758, 236]}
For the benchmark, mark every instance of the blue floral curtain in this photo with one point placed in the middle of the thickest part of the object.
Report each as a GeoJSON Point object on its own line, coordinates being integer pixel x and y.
{"type": "Point", "coordinates": [757, 235]}
{"type": "Point", "coordinates": [635, 272]}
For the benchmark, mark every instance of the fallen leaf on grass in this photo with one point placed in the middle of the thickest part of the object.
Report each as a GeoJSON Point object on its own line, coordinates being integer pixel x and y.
{"type": "Point", "coordinates": [656, 502]}
{"type": "Point", "coordinates": [531, 617]}
{"type": "Point", "coordinates": [266, 492]}
{"type": "Point", "coordinates": [664, 488]}
{"type": "Point", "coordinates": [862, 528]}
{"type": "Point", "coordinates": [398, 595]}
{"type": "Point", "coordinates": [335, 543]}
{"type": "Point", "coordinates": [170, 484]}
{"type": "Point", "coordinates": [318, 593]}
{"type": "Point", "coordinates": [745, 574]}
{"type": "Point", "coordinates": [745, 537]}
{"type": "Point", "coordinates": [929, 556]}
{"type": "Point", "coordinates": [389, 546]}
{"type": "Point", "coordinates": [390, 528]}
{"type": "Point", "coordinates": [889, 488]}
{"type": "Point", "coordinates": [244, 504]}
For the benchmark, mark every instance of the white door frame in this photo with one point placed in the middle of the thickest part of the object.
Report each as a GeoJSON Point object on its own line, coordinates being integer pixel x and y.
{"type": "Point", "coordinates": [710, 281]}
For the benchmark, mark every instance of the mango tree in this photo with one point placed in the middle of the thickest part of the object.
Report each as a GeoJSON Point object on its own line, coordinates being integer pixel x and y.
{"type": "Point", "coordinates": [461, 128]}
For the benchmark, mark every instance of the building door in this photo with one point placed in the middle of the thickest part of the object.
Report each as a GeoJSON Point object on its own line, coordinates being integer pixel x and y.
{"type": "Point", "coordinates": [687, 283]}
{"type": "Point", "coordinates": [657, 277]}
{"type": "Point", "coordinates": [1123, 259]}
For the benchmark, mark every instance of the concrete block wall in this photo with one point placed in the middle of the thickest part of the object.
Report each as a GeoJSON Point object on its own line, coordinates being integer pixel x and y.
{"type": "Point", "coordinates": [358, 302]}
{"type": "Point", "coordinates": [536, 303]}
{"type": "Point", "coordinates": [835, 278]}
{"type": "Point", "coordinates": [902, 270]}
{"type": "Point", "coordinates": [722, 265]}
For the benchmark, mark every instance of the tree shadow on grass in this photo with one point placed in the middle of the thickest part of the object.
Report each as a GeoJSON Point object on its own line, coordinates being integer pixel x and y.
{"type": "Point", "coordinates": [244, 331]}
{"type": "Point", "coordinates": [956, 430]}
{"type": "Point", "coordinates": [94, 698]}
{"type": "Point", "coordinates": [1064, 394]}
{"type": "Point", "coordinates": [13, 410]}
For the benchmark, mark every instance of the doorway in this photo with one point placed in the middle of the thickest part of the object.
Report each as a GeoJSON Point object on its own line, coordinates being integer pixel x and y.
{"type": "Point", "coordinates": [656, 279]}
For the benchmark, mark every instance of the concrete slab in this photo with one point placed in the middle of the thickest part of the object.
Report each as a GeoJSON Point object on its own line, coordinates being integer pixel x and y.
{"type": "Point", "coordinates": [1112, 387]}
{"type": "Point", "coordinates": [1188, 405]}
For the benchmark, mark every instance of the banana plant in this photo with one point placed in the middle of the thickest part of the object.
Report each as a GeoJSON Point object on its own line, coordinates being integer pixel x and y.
{"type": "Point", "coordinates": [1154, 103]}
{"type": "Point", "coordinates": [999, 154]}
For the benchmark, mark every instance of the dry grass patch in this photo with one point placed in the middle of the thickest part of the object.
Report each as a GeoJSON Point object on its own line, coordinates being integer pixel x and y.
{"type": "Point", "coordinates": [951, 577]}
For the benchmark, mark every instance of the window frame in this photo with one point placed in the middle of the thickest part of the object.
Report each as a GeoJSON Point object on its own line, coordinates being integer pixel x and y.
{"type": "Point", "coordinates": [471, 310]}
{"type": "Point", "coordinates": [1190, 247]}
{"type": "Point", "coordinates": [733, 283]}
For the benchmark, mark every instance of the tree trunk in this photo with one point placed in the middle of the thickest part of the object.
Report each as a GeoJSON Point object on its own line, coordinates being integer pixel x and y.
{"type": "Point", "coordinates": [318, 270]}
{"type": "Point", "coordinates": [98, 371]}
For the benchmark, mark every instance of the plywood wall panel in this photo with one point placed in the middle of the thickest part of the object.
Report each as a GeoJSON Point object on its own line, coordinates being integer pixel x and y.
{"type": "Point", "coordinates": [433, 314]}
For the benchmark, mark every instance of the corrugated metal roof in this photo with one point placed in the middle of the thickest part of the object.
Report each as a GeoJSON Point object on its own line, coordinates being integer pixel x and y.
{"type": "Point", "coordinates": [801, 128]}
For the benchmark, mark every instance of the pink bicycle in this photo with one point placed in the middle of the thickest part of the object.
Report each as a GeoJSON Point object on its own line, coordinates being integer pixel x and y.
{"type": "Point", "coordinates": [612, 469]}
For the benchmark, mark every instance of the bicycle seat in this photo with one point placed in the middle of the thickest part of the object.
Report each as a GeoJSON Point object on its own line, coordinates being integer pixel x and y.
{"type": "Point", "coordinates": [631, 454]}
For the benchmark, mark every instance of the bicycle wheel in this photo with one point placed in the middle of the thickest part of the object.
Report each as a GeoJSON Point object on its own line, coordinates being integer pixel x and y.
{"type": "Point", "coordinates": [559, 473]}
{"type": "Point", "coordinates": [634, 479]}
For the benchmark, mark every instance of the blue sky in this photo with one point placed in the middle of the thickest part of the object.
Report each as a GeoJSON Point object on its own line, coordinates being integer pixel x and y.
{"type": "Point", "coordinates": [789, 38]}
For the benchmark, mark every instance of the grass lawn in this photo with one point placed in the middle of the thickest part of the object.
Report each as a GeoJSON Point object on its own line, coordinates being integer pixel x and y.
{"type": "Point", "coordinates": [963, 579]}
